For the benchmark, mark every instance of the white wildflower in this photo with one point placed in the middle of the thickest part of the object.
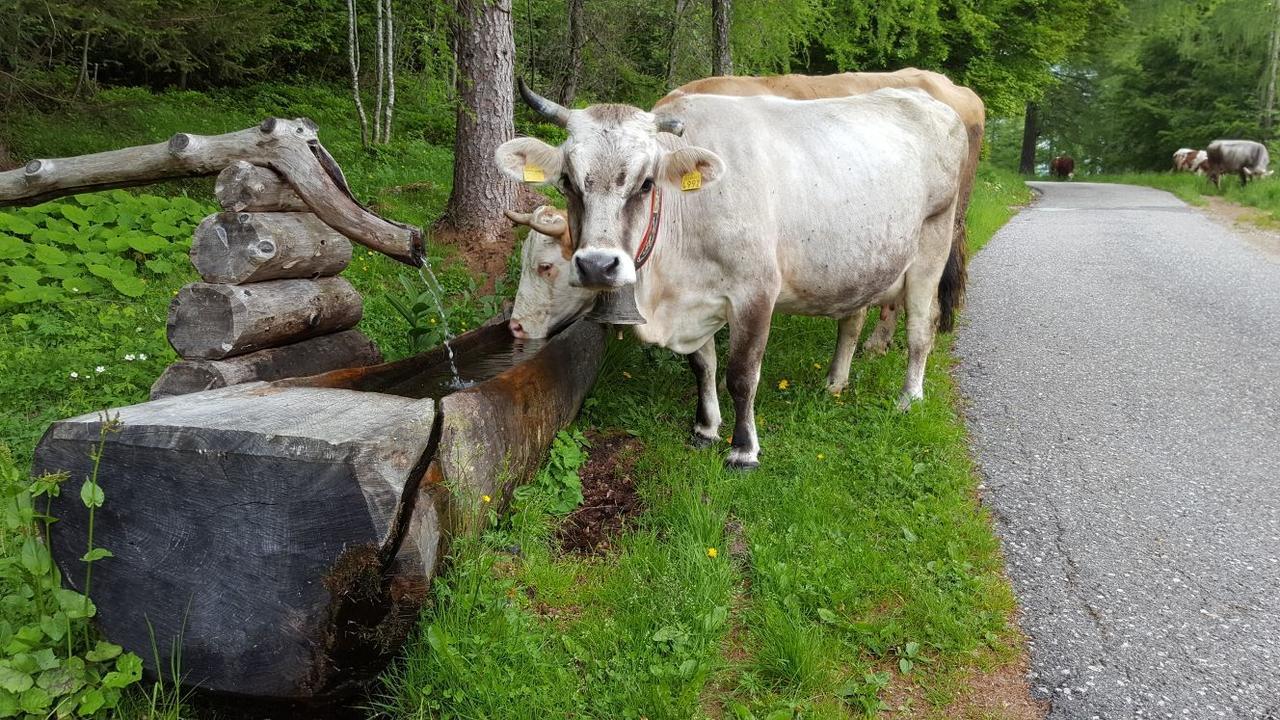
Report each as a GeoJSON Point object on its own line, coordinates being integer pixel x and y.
{"type": "Point", "coordinates": [142, 356]}
{"type": "Point", "coordinates": [130, 357]}
{"type": "Point", "coordinates": [74, 375]}
{"type": "Point", "coordinates": [99, 369]}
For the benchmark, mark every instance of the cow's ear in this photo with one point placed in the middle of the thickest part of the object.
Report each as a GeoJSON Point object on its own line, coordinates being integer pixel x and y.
{"type": "Point", "coordinates": [690, 168]}
{"type": "Point", "coordinates": [529, 160]}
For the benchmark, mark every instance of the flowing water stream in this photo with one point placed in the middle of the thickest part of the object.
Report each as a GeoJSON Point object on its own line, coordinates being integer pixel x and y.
{"type": "Point", "coordinates": [436, 289]}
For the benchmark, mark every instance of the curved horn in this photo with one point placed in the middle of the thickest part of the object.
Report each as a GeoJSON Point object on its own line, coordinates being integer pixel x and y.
{"type": "Point", "coordinates": [554, 227]}
{"type": "Point", "coordinates": [552, 111]}
{"type": "Point", "coordinates": [670, 125]}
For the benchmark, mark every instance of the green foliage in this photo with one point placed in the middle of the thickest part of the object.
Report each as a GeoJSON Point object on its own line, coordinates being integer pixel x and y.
{"type": "Point", "coordinates": [52, 665]}
{"type": "Point", "coordinates": [93, 245]}
{"type": "Point", "coordinates": [558, 482]}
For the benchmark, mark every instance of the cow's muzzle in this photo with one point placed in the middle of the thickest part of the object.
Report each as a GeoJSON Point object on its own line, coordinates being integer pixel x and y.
{"type": "Point", "coordinates": [602, 269]}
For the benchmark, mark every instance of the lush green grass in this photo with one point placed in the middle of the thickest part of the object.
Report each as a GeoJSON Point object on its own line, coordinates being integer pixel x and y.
{"type": "Point", "coordinates": [857, 545]}
{"type": "Point", "coordinates": [1262, 194]}
{"type": "Point", "coordinates": [795, 588]}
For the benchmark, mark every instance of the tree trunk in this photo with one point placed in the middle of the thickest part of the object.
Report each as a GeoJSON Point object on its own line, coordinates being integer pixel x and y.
{"type": "Point", "coordinates": [213, 321]}
{"type": "Point", "coordinates": [245, 187]}
{"type": "Point", "coordinates": [346, 349]}
{"type": "Point", "coordinates": [390, 60]}
{"type": "Point", "coordinates": [353, 58]}
{"type": "Point", "coordinates": [721, 56]}
{"type": "Point", "coordinates": [246, 247]}
{"type": "Point", "coordinates": [569, 88]}
{"type": "Point", "coordinates": [486, 62]}
{"type": "Point", "coordinates": [379, 58]}
{"type": "Point", "coordinates": [1030, 133]}
{"type": "Point", "coordinates": [83, 78]}
{"type": "Point", "coordinates": [1273, 67]}
{"type": "Point", "coordinates": [676, 17]}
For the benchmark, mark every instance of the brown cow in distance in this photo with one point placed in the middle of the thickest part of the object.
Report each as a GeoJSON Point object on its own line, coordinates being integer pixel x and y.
{"type": "Point", "coordinates": [1063, 166]}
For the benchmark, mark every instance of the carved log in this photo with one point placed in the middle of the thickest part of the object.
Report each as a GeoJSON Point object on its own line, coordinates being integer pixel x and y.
{"type": "Point", "coordinates": [289, 531]}
{"type": "Point", "coordinates": [245, 187]}
{"type": "Point", "coordinates": [212, 321]}
{"type": "Point", "coordinates": [289, 147]}
{"type": "Point", "coordinates": [251, 247]}
{"type": "Point", "coordinates": [346, 349]}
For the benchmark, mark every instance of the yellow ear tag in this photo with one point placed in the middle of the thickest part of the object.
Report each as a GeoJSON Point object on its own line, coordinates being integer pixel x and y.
{"type": "Point", "coordinates": [533, 173]}
{"type": "Point", "coordinates": [691, 180]}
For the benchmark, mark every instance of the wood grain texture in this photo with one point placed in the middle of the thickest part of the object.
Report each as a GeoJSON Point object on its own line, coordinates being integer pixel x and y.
{"type": "Point", "coordinates": [210, 321]}
{"type": "Point", "coordinates": [246, 247]}
{"type": "Point", "coordinates": [227, 512]}
{"type": "Point", "coordinates": [291, 148]}
{"type": "Point", "coordinates": [346, 349]}
{"type": "Point", "coordinates": [245, 187]}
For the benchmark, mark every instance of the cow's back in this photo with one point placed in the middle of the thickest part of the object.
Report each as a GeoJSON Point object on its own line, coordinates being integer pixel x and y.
{"type": "Point", "coordinates": [832, 191]}
{"type": "Point", "coordinates": [1236, 155]}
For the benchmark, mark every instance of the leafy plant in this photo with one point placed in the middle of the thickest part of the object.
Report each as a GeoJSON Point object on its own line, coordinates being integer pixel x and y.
{"type": "Point", "coordinates": [52, 664]}
{"type": "Point", "coordinates": [558, 479]}
{"type": "Point", "coordinates": [434, 311]}
{"type": "Point", "coordinates": [98, 244]}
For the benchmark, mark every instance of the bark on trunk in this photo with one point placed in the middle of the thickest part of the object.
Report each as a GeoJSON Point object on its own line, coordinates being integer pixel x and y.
{"type": "Point", "coordinates": [213, 321]}
{"type": "Point", "coordinates": [389, 110]}
{"type": "Point", "coordinates": [353, 59]}
{"type": "Point", "coordinates": [245, 187]}
{"type": "Point", "coordinates": [252, 247]}
{"type": "Point", "coordinates": [346, 349]}
{"type": "Point", "coordinates": [486, 61]}
{"type": "Point", "coordinates": [378, 59]}
{"type": "Point", "coordinates": [83, 78]}
{"type": "Point", "coordinates": [1273, 67]}
{"type": "Point", "coordinates": [721, 57]}
{"type": "Point", "coordinates": [676, 19]}
{"type": "Point", "coordinates": [1030, 134]}
{"type": "Point", "coordinates": [569, 87]}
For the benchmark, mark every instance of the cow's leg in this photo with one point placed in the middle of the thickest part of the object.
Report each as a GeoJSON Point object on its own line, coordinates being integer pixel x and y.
{"type": "Point", "coordinates": [886, 326]}
{"type": "Point", "coordinates": [922, 302]}
{"type": "Point", "coordinates": [849, 330]}
{"type": "Point", "coordinates": [748, 336]}
{"type": "Point", "coordinates": [706, 422]}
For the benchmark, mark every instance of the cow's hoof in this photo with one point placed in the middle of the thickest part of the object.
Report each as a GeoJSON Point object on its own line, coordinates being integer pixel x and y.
{"type": "Point", "coordinates": [904, 402]}
{"type": "Point", "coordinates": [835, 388]}
{"type": "Point", "coordinates": [741, 460]}
{"type": "Point", "coordinates": [700, 441]}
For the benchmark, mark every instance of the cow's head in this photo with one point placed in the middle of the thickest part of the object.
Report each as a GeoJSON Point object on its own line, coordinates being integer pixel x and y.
{"type": "Point", "coordinates": [545, 300]}
{"type": "Point", "coordinates": [608, 169]}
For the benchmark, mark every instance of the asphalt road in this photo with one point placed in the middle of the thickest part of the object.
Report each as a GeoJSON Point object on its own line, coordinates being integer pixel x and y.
{"type": "Point", "coordinates": [1120, 352]}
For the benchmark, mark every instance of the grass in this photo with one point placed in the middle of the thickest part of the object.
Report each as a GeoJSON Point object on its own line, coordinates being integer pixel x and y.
{"type": "Point", "coordinates": [1193, 189]}
{"type": "Point", "coordinates": [795, 589]}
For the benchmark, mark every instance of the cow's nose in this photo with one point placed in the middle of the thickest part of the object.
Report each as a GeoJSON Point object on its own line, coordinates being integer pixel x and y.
{"type": "Point", "coordinates": [517, 330]}
{"type": "Point", "coordinates": [597, 269]}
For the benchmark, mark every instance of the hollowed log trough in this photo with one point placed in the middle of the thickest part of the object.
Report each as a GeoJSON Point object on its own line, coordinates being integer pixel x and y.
{"type": "Point", "coordinates": [283, 535]}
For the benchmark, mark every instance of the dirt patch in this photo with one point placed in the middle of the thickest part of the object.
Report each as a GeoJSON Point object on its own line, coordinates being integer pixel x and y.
{"type": "Point", "coordinates": [609, 497]}
{"type": "Point", "coordinates": [1002, 692]}
{"type": "Point", "coordinates": [1257, 227]}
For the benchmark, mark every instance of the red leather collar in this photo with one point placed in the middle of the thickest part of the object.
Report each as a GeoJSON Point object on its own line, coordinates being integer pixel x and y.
{"type": "Point", "coordinates": [651, 230]}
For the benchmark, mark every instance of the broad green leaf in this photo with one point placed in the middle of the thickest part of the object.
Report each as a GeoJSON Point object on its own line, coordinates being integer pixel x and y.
{"type": "Point", "coordinates": [159, 266]}
{"type": "Point", "coordinates": [55, 625]}
{"type": "Point", "coordinates": [15, 681]}
{"type": "Point", "coordinates": [45, 659]}
{"type": "Point", "coordinates": [76, 215]}
{"type": "Point", "coordinates": [50, 236]}
{"type": "Point", "coordinates": [91, 494]}
{"type": "Point", "coordinates": [91, 703]}
{"type": "Point", "coordinates": [131, 286]}
{"type": "Point", "coordinates": [102, 652]}
{"type": "Point", "coordinates": [35, 558]}
{"type": "Point", "coordinates": [23, 276]}
{"type": "Point", "coordinates": [8, 704]}
{"type": "Point", "coordinates": [58, 272]}
{"type": "Point", "coordinates": [167, 229]}
{"type": "Point", "coordinates": [35, 701]}
{"type": "Point", "coordinates": [79, 285]}
{"type": "Point", "coordinates": [103, 271]}
{"type": "Point", "coordinates": [146, 244]}
{"type": "Point", "coordinates": [130, 665]}
{"type": "Point", "coordinates": [16, 223]}
{"type": "Point", "coordinates": [87, 199]}
{"type": "Point", "coordinates": [827, 616]}
{"type": "Point", "coordinates": [59, 681]}
{"type": "Point", "coordinates": [12, 248]}
{"type": "Point", "coordinates": [104, 214]}
{"type": "Point", "coordinates": [73, 603]}
{"type": "Point", "coordinates": [49, 254]}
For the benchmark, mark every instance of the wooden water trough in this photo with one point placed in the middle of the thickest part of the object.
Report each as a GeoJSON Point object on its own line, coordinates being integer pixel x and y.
{"type": "Point", "coordinates": [283, 535]}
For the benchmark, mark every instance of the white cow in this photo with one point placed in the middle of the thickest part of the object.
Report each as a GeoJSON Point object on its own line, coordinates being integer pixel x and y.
{"type": "Point", "coordinates": [815, 207]}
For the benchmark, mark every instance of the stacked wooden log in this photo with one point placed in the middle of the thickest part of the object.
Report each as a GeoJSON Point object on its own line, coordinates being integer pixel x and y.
{"type": "Point", "coordinates": [271, 304]}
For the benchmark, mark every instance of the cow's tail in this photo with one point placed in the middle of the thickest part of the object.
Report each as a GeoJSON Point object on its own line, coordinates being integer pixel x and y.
{"type": "Point", "coordinates": [954, 277]}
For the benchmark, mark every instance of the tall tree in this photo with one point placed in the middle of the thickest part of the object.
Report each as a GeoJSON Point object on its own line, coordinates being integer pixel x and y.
{"type": "Point", "coordinates": [721, 56]}
{"type": "Point", "coordinates": [573, 67]}
{"type": "Point", "coordinates": [353, 60]}
{"type": "Point", "coordinates": [1030, 136]}
{"type": "Point", "coordinates": [473, 218]}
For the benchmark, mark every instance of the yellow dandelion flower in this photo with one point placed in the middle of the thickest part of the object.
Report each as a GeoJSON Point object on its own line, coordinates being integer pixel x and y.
{"type": "Point", "coordinates": [783, 384]}
{"type": "Point", "coordinates": [486, 498]}
{"type": "Point", "coordinates": [817, 366]}
{"type": "Point", "coordinates": [821, 456]}
{"type": "Point", "coordinates": [712, 552]}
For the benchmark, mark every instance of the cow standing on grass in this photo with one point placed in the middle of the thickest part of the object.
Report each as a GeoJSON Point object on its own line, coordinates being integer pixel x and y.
{"type": "Point", "coordinates": [540, 308]}
{"type": "Point", "coordinates": [1247, 158]}
{"type": "Point", "coordinates": [1063, 167]}
{"type": "Point", "coordinates": [766, 204]}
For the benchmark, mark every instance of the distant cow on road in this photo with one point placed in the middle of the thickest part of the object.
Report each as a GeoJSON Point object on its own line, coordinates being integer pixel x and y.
{"type": "Point", "coordinates": [1246, 157]}
{"type": "Point", "coordinates": [1062, 166]}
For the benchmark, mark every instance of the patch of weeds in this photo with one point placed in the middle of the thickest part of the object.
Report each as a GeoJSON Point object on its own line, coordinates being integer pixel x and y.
{"type": "Point", "coordinates": [557, 483]}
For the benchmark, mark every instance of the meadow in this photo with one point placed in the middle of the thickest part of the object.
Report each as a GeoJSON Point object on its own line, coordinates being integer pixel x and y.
{"type": "Point", "coordinates": [854, 573]}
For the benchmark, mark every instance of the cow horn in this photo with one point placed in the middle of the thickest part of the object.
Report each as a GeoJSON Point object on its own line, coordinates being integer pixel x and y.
{"type": "Point", "coordinates": [670, 125]}
{"type": "Point", "coordinates": [554, 228]}
{"type": "Point", "coordinates": [548, 109]}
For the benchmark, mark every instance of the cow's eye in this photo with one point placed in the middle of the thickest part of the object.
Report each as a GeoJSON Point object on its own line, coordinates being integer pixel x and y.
{"type": "Point", "coordinates": [647, 185]}
{"type": "Point", "coordinates": [544, 268]}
